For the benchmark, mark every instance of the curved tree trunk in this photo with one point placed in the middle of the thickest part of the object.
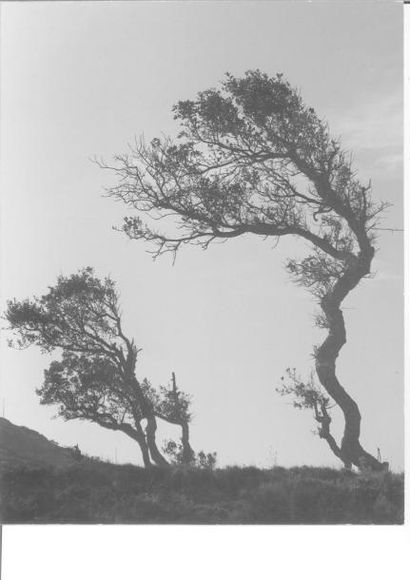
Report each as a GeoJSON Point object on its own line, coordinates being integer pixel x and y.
{"type": "Point", "coordinates": [324, 419]}
{"type": "Point", "coordinates": [137, 434]}
{"type": "Point", "coordinates": [155, 453]}
{"type": "Point", "coordinates": [350, 450]}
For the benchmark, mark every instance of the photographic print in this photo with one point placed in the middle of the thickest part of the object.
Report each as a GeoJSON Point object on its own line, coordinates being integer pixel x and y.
{"type": "Point", "coordinates": [202, 263]}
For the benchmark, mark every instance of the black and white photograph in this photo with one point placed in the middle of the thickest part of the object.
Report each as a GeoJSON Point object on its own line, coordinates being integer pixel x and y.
{"type": "Point", "coordinates": [202, 263]}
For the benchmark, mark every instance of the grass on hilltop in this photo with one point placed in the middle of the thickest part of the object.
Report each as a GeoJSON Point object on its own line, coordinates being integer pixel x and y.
{"type": "Point", "coordinates": [92, 491]}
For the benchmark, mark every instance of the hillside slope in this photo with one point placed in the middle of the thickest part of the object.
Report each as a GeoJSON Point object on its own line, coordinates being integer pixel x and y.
{"type": "Point", "coordinates": [24, 446]}
{"type": "Point", "coordinates": [41, 482]}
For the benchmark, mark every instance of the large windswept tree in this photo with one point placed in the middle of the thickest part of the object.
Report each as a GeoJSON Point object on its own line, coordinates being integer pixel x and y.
{"type": "Point", "coordinates": [252, 158]}
{"type": "Point", "coordinates": [95, 378]}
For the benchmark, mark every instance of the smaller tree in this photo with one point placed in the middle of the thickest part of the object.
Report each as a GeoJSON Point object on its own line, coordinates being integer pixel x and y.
{"type": "Point", "coordinates": [95, 379]}
{"type": "Point", "coordinates": [173, 406]}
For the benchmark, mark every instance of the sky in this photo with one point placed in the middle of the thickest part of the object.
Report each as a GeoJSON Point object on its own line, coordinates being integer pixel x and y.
{"type": "Point", "coordinates": [80, 80]}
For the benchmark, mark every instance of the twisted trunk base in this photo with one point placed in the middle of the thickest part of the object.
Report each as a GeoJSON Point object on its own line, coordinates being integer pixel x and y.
{"type": "Point", "coordinates": [350, 451]}
{"type": "Point", "coordinates": [144, 448]}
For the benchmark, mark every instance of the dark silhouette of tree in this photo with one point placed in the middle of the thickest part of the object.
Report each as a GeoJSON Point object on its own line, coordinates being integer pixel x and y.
{"type": "Point", "coordinates": [95, 378]}
{"type": "Point", "coordinates": [252, 158]}
{"type": "Point", "coordinates": [172, 405]}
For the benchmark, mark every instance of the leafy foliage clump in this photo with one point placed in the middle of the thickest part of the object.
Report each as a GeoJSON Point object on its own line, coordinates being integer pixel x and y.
{"type": "Point", "coordinates": [202, 460]}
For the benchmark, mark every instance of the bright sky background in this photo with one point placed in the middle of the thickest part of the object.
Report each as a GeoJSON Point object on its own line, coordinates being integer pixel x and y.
{"type": "Point", "coordinates": [81, 79]}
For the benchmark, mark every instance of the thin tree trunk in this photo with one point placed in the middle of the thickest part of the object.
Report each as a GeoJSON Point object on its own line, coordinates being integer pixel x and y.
{"type": "Point", "coordinates": [155, 453]}
{"type": "Point", "coordinates": [351, 451]}
{"type": "Point", "coordinates": [324, 419]}
{"type": "Point", "coordinates": [145, 454]}
{"type": "Point", "coordinates": [187, 451]}
{"type": "Point", "coordinates": [144, 447]}
{"type": "Point", "coordinates": [147, 411]}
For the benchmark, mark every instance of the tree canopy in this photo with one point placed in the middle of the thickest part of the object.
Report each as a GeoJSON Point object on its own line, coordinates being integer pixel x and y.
{"type": "Point", "coordinates": [251, 158]}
